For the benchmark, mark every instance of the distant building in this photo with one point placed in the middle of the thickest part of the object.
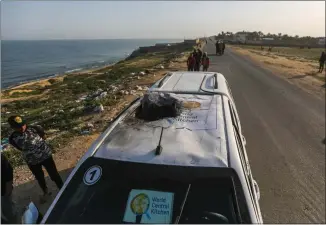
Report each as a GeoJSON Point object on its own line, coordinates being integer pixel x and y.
{"type": "Point", "coordinates": [321, 41]}
{"type": "Point", "coordinates": [241, 37]}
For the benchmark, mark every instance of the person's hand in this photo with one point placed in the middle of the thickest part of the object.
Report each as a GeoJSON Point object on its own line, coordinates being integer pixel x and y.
{"type": "Point", "coordinates": [9, 188]}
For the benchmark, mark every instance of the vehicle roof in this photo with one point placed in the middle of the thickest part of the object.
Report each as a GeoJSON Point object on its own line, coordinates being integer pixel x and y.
{"type": "Point", "coordinates": [193, 82]}
{"type": "Point", "coordinates": [195, 138]}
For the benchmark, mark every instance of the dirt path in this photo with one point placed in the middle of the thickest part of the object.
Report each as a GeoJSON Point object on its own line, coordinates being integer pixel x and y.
{"type": "Point", "coordinates": [298, 71]}
{"type": "Point", "coordinates": [284, 127]}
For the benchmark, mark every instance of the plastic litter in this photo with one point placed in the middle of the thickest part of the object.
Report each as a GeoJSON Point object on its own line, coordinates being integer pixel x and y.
{"type": "Point", "coordinates": [99, 108]}
{"type": "Point", "coordinates": [85, 132]}
{"type": "Point", "coordinates": [155, 106]}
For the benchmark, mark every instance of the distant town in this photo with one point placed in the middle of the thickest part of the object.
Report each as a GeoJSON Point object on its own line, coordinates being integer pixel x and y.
{"type": "Point", "coordinates": [259, 38]}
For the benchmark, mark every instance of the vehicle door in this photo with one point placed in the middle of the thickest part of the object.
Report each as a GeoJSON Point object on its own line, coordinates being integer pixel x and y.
{"type": "Point", "coordinates": [254, 189]}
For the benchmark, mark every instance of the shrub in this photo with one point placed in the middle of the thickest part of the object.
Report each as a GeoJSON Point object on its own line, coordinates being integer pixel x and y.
{"type": "Point", "coordinates": [52, 81]}
{"type": "Point", "coordinates": [14, 156]}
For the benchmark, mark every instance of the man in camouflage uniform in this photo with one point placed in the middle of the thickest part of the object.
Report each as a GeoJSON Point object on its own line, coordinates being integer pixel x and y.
{"type": "Point", "coordinates": [30, 140]}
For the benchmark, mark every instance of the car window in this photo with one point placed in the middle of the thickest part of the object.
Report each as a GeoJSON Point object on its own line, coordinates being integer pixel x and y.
{"type": "Point", "coordinates": [145, 193]}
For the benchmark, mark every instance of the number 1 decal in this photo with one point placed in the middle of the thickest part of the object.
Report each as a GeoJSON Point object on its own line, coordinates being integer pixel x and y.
{"type": "Point", "coordinates": [92, 175]}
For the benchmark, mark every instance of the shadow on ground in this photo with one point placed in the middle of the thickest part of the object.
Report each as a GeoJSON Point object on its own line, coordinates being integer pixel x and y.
{"type": "Point", "coordinates": [214, 55]}
{"type": "Point", "coordinates": [312, 74]}
{"type": "Point", "coordinates": [324, 86]}
{"type": "Point", "coordinates": [23, 194]}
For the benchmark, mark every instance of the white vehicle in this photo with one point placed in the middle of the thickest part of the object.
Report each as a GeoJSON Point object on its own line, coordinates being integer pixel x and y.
{"type": "Point", "coordinates": [189, 169]}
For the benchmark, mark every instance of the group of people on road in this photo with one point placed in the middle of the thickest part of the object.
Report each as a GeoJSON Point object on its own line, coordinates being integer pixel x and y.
{"type": "Point", "coordinates": [196, 60]}
{"type": "Point", "coordinates": [220, 47]}
{"type": "Point", "coordinates": [30, 140]}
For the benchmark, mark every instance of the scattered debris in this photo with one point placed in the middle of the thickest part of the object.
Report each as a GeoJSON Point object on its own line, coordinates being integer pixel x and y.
{"type": "Point", "coordinates": [85, 132]}
{"type": "Point", "coordinates": [52, 131]}
{"type": "Point", "coordinates": [90, 125]}
{"type": "Point", "coordinates": [141, 73]}
{"type": "Point", "coordinates": [4, 143]}
{"type": "Point", "coordinates": [99, 108]}
{"type": "Point", "coordinates": [76, 128]}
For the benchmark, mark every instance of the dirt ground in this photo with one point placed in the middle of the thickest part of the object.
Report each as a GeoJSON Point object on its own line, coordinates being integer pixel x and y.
{"type": "Point", "coordinates": [298, 70]}
{"type": "Point", "coordinates": [26, 188]}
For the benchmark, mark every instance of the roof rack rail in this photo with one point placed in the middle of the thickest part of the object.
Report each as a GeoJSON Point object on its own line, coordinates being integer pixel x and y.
{"type": "Point", "coordinates": [164, 78]}
{"type": "Point", "coordinates": [216, 85]}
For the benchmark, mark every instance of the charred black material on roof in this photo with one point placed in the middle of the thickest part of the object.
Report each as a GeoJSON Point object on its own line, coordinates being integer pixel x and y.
{"type": "Point", "coordinates": [155, 106]}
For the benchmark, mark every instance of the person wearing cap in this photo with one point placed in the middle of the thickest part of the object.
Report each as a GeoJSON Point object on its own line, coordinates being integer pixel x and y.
{"type": "Point", "coordinates": [30, 140]}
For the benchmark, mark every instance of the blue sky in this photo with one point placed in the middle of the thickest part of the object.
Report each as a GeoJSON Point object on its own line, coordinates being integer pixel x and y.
{"type": "Point", "coordinates": [156, 19]}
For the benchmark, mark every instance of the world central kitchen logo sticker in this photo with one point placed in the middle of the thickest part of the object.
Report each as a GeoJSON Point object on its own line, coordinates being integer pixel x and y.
{"type": "Point", "coordinates": [146, 206]}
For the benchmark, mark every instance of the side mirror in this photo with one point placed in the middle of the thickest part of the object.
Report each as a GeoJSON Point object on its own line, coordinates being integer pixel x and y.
{"type": "Point", "coordinates": [31, 215]}
{"type": "Point", "coordinates": [257, 189]}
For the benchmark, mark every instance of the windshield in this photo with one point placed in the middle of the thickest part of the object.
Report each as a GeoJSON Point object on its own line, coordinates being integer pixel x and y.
{"type": "Point", "coordinates": [107, 191]}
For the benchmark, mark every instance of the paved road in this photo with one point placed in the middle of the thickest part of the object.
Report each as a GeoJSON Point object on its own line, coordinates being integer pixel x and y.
{"type": "Point", "coordinates": [284, 128]}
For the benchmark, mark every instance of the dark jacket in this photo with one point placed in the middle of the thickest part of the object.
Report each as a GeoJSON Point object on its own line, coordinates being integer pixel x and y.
{"type": "Point", "coordinates": [198, 57]}
{"type": "Point", "coordinates": [32, 145]}
{"type": "Point", "coordinates": [191, 61]}
{"type": "Point", "coordinates": [322, 58]}
{"type": "Point", "coordinates": [205, 62]}
{"type": "Point", "coordinates": [7, 173]}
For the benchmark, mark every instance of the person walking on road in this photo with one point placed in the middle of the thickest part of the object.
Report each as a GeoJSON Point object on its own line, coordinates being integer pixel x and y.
{"type": "Point", "coordinates": [223, 48]}
{"type": "Point", "coordinates": [191, 62]}
{"type": "Point", "coordinates": [322, 60]}
{"type": "Point", "coordinates": [8, 209]}
{"type": "Point", "coordinates": [30, 140]}
{"type": "Point", "coordinates": [217, 47]}
{"type": "Point", "coordinates": [205, 62]}
{"type": "Point", "coordinates": [198, 59]}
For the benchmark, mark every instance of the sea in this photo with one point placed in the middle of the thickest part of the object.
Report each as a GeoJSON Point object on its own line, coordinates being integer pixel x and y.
{"type": "Point", "coordinates": [23, 61]}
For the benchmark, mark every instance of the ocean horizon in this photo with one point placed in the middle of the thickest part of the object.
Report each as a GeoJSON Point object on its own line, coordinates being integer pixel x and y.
{"type": "Point", "coordinates": [27, 60]}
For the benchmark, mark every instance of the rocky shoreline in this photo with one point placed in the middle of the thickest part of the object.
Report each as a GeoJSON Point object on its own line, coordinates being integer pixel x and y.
{"type": "Point", "coordinates": [81, 103]}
